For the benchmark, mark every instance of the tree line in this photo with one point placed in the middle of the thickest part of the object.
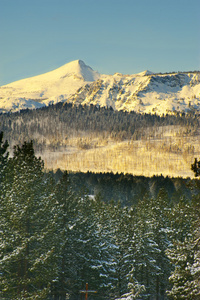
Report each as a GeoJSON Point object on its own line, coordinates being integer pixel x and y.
{"type": "Point", "coordinates": [54, 238]}
{"type": "Point", "coordinates": [128, 188]}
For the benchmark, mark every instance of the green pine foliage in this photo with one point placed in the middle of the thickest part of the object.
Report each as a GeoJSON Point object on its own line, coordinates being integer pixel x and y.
{"type": "Point", "coordinates": [145, 250]}
{"type": "Point", "coordinates": [3, 156]}
{"type": "Point", "coordinates": [26, 266]}
{"type": "Point", "coordinates": [105, 262]}
{"type": "Point", "coordinates": [185, 283]}
{"type": "Point", "coordinates": [64, 222]}
{"type": "Point", "coordinates": [54, 237]}
{"type": "Point", "coordinates": [184, 253]}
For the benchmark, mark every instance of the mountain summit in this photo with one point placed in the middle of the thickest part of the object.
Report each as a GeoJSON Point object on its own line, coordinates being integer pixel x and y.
{"type": "Point", "coordinates": [77, 83]}
{"type": "Point", "coordinates": [46, 88]}
{"type": "Point", "coordinates": [86, 72]}
{"type": "Point", "coordinates": [76, 69]}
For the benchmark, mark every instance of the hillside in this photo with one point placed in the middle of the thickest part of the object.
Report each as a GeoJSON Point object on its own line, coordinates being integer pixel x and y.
{"type": "Point", "coordinates": [169, 154]}
{"type": "Point", "coordinates": [102, 140]}
{"type": "Point", "coordinates": [77, 83]}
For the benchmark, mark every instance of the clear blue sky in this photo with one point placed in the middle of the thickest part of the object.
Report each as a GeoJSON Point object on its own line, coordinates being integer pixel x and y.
{"type": "Point", "coordinates": [127, 36]}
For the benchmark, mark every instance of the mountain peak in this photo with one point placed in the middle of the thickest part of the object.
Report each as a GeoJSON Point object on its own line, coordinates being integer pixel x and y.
{"type": "Point", "coordinates": [79, 69]}
{"type": "Point", "coordinates": [74, 63]}
{"type": "Point", "coordinates": [81, 62]}
{"type": "Point", "coordinates": [145, 73]}
{"type": "Point", "coordinates": [50, 87]}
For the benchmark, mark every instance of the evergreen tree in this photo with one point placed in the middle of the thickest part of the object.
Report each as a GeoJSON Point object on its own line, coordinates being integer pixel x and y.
{"type": "Point", "coordinates": [106, 260]}
{"type": "Point", "coordinates": [26, 261]}
{"type": "Point", "coordinates": [185, 278]}
{"type": "Point", "coordinates": [65, 222]}
{"type": "Point", "coordinates": [184, 255]}
{"type": "Point", "coordinates": [123, 232]}
{"type": "Point", "coordinates": [146, 248]}
{"type": "Point", "coordinates": [3, 229]}
{"type": "Point", "coordinates": [76, 242]}
{"type": "Point", "coordinates": [160, 209]}
{"type": "Point", "coordinates": [195, 167]}
{"type": "Point", "coordinates": [86, 243]}
{"type": "Point", "coordinates": [3, 156]}
{"type": "Point", "coordinates": [181, 218]}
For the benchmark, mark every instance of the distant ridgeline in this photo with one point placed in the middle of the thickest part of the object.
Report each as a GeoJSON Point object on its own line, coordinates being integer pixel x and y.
{"type": "Point", "coordinates": [49, 127]}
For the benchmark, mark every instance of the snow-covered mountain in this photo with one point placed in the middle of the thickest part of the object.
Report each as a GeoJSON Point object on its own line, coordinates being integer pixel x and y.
{"type": "Point", "coordinates": [144, 92]}
{"type": "Point", "coordinates": [77, 83]}
{"type": "Point", "coordinates": [51, 87]}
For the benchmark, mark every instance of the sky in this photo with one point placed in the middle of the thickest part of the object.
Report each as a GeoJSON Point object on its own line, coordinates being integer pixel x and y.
{"type": "Point", "coordinates": [125, 36]}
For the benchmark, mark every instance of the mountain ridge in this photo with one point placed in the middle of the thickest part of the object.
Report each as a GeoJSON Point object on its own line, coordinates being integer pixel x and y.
{"type": "Point", "coordinates": [77, 83]}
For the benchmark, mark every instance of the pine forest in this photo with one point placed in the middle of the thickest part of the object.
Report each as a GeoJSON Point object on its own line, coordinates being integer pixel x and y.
{"type": "Point", "coordinates": [128, 236]}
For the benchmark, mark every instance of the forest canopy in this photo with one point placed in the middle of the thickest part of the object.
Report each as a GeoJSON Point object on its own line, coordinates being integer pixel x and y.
{"type": "Point", "coordinates": [55, 237]}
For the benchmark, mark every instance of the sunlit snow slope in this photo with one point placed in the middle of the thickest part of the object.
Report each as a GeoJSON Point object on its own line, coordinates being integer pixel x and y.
{"type": "Point", "coordinates": [47, 88]}
{"type": "Point", "coordinates": [144, 92]}
{"type": "Point", "coordinates": [77, 83]}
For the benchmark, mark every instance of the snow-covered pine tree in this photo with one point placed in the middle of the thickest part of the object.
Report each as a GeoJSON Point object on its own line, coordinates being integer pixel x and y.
{"type": "Point", "coordinates": [65, 221]}
{"type": "Point", "coordinates": [181, 218]}
{"type": "Point", "coordinates": [122, 232]}
{"type": "Point", "coordinates": [26, 262]}
{"type": "Point", "coordinates": [144, 250]}
{"type": "Point", "coordinates": [185, 277]}
{"type": "Point", "coordinates": [86, 244]}
{"type": "Point", "coordinates": [3, 217]}
{"type": "Point", "coordinates": [185, 253]}
{"type": "Point", "coordinates": [195, 266]}
{"type": "Point", "coordinates": [105, 263]}
{"type": "Point", "coordinates": [160, 210]}
{"type": "Point", "coordinates": [3, 156]}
